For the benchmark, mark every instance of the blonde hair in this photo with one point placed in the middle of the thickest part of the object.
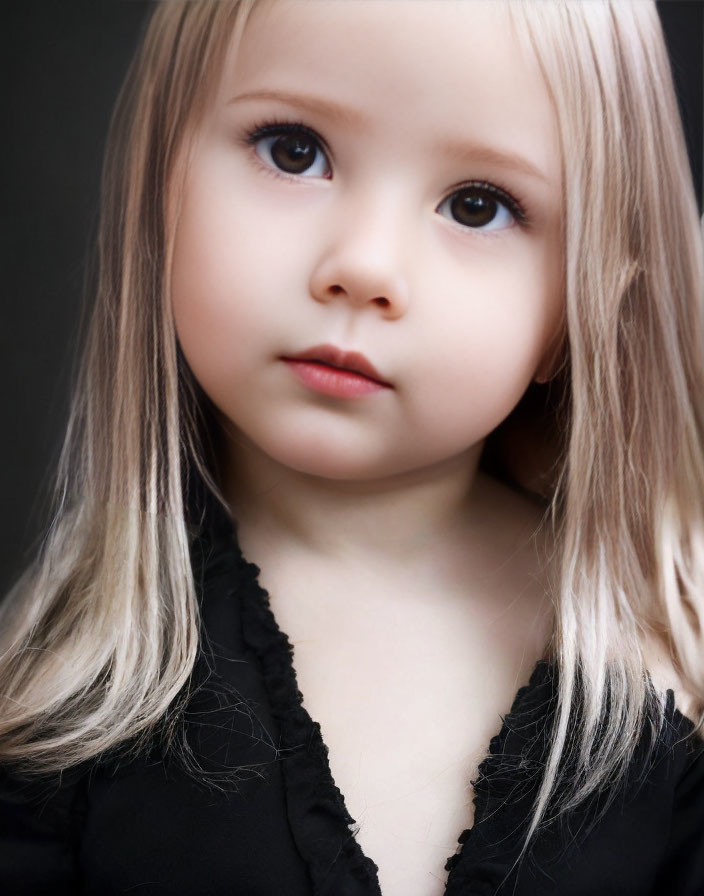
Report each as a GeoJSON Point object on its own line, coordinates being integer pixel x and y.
{"type": "Point", "coordinates": [629, 501]}
{"type": "Point", "coordinates": [100, 635]}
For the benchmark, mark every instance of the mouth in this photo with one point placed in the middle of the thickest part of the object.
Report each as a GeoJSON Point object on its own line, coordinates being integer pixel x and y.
{"type": "Point", "coordinates": [336, 382]}
{"type": "Point", "coordinates": [330, 356]}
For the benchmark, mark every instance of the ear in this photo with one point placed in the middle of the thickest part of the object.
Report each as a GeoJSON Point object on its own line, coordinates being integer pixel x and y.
{"type": "Point", "coordinates": [551, 362]}
{"type": "Point", "coordinates": [546, 370]}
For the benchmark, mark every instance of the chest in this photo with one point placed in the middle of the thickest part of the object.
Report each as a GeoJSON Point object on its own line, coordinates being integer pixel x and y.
{"type": "Point", "coordinates": [408, 697]}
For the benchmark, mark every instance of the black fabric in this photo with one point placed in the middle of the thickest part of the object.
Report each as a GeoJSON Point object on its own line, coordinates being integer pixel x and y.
{"type": "Point", "coordinates": [272, 821]}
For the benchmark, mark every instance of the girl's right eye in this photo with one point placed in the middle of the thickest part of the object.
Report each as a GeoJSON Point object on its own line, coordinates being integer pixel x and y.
{"type": "Point", "coordinates": [289, 148]}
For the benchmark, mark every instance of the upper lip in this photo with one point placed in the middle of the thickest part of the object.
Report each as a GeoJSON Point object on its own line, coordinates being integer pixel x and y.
{"type": "Point", "coordinates": [330, 354]}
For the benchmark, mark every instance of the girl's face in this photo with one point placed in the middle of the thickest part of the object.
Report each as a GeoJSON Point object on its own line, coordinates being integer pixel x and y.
{"type": "Point", "coordinates": [383, 177]}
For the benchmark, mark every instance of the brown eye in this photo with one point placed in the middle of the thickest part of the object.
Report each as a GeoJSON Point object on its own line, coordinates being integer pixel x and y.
{"type": "Point", "coordinates": [478, 207]}
{"type": "Point", "coordinates": [293, 151]}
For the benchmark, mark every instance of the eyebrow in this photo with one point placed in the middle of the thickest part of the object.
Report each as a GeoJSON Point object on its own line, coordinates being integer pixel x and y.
{"type": "Point", "coordinates": [458, 150]}
{"type": "Point", "coordinates": [314, 104]}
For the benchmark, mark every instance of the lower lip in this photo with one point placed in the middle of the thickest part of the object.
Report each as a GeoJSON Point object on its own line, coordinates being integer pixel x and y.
{"type": "Point", "coordinates": [332, 381]}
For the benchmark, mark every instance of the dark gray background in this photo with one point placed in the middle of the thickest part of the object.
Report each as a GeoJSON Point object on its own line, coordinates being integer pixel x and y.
{"type": "Point", "coordinates": [66, 60]}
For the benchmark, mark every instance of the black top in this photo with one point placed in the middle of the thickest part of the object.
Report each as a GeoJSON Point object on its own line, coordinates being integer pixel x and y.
{"type": "Point", "coordinates": [273, 823]}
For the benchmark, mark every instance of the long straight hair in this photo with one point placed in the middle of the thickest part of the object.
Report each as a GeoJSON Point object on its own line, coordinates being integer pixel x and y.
{"type": "Point", "coordinates": [100, 635]}
{"type": "Point", "coordinates": [628, 506]}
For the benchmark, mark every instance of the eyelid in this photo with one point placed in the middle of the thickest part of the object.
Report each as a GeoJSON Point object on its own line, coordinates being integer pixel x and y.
{"type": "Point", "coordinates": [511, 201]}
{"type": "Point", "coordinates": [274, 126]}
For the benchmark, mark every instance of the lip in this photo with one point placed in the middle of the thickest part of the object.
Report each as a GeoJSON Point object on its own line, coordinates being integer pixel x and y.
{"type": "Point", "coordinates": [333, 381]}
{"type": "Point", "coordinates": [335, 357]}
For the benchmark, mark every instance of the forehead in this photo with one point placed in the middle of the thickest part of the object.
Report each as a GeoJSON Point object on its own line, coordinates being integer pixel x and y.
{"type": "Point", "coordinates": [453, 68]}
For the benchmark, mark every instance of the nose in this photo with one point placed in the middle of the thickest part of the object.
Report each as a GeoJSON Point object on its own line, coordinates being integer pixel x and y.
{"type": "Point", "coordinates": [362, 259]}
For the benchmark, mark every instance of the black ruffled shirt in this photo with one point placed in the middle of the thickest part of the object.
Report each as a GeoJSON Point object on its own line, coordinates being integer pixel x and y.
{"type": "Point", "coordinates": [270, 821]}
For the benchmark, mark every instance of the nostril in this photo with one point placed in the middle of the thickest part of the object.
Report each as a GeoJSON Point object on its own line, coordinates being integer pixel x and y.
{"type": "Point", "coordinates": [336, 290]}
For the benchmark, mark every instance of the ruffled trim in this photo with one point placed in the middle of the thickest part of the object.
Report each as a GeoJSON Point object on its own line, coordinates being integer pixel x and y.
{"type": "Point", "coordinates": [322, 827]}
{"type": "Point", "coordinates": [504, 777]}
{"type": "Point", "coordinates": [509, 776]}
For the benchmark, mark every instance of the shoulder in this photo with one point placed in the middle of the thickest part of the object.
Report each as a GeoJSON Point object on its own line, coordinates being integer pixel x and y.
{"type": "Point", "coordinates": [53, 792]}
{"type": "Point", "coordinates": [38, 832]}
{"type": "Point", "coordinates": [665, 676]}
{"type": "Point", "coordinates": [36, 817]}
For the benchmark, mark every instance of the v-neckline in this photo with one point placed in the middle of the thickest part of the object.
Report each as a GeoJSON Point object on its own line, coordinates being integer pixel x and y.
{"type": "Point", "coordinates": [324, 831]}
{"type": "Point", "coordinates": [319, 822]}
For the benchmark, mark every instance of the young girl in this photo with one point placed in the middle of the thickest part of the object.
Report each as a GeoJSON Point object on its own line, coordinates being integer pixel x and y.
{"type": "Point", "coordinates": [395, 372]}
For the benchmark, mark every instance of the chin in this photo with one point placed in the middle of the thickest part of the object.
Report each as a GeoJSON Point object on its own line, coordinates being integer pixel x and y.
{"type": "Point", "coordinates": [328, 465]}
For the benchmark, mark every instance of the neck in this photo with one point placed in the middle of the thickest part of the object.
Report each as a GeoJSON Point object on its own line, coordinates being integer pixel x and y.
{"type": "Point", "coordinates": [391, 518]}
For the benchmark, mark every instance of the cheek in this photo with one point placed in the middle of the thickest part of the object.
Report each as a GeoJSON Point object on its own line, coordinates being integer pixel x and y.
{"type": "Point", "coordinates": [199, 293]}
{"type": "Point", "coordinates": [232, 232]}
{"type": "Point", "coordinates": [487, 343]}
{"type": "Point", "coordinates": [221, 281]}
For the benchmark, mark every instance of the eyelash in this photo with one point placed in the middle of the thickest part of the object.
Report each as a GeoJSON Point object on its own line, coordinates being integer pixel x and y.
{"type": "Point", "coordinates": [275, 127]}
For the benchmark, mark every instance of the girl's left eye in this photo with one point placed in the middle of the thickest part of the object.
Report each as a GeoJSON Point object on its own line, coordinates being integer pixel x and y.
{"type": "Point", "coordinates": [475, 205]}
{"type": "Point", "coordinates": [289, 148]}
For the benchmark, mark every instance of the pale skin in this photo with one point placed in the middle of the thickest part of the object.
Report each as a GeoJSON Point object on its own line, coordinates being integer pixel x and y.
{"type": "Point", "coordinates": [458, 318]}
{"type": "Point", "coordinates": [412, 589]}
